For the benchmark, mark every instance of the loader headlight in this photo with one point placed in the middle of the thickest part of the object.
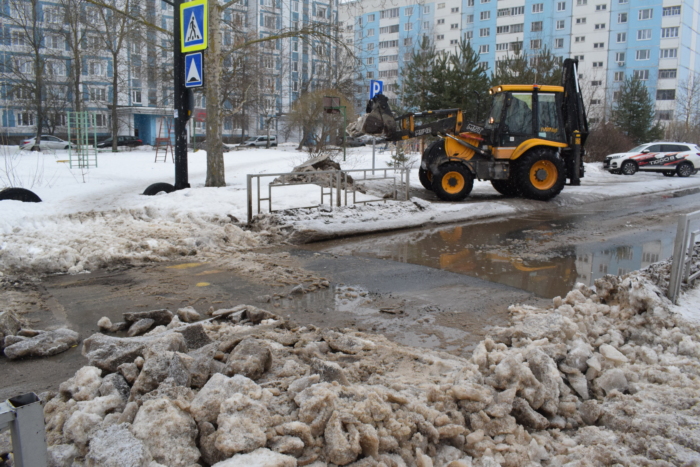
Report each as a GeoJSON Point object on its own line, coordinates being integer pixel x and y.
{"type": "Point", "coordinates": [500, 89]}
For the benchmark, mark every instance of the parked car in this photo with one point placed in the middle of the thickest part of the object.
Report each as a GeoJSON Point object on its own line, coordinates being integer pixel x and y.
{"type": "Point", "coordinates": [46, 142]}
{"type": "Point", "coordinates": [351, 142]}
{"type": "Point", "coordinates": [259, 141]}
{"type": "Point", "coordinates": [121, 141]}
{"type": "Point", "coordinates": [667, 158]}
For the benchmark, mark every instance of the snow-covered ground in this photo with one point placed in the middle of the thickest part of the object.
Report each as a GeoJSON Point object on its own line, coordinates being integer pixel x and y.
{"type": "Point", "coordinates": [95, 217]}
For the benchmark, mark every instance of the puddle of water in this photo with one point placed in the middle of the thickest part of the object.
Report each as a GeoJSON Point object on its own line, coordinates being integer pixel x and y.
{"type": "Point", "coordinates": [516, 252]}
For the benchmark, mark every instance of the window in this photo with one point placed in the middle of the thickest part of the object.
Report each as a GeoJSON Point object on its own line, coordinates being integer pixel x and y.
{"type": "Point", "coordinates": [455, 10]}
{"type": "Point", "coordinates": [669, 32]}
{"type": "Point", "coordinates": [647, 13]}
{"type": "Point", "coordinates": [388, 44]}
{"type": "Point", "coordinates": [426, 24]}
{"type": "Point", "coordinates": [100, 120]}
{"type": "Point", "coordinates": [470, 19]}
{"type": "Point", "coordinates": [96, 68]}
{"type": "Point", "coordinates": [370, 18]}
{"type": "Point", "coordinates": [558, 43]}
{"type": "Point", "coordinates": [370, 33]}
{"type": "Point", "coordinates": [597, 64]}
{"type": "Point", "coordinates": [53, 15]}
{"type": "Point", "coordinates": [643, 54]}
{"type": "Point", "coordinates": [561, 6]}
{"type": "Point", "coordinates": [641, 74]}
{"type": "Point", "coordinates": [599, 45]}
{"type": "Point", "coordinates": [503, 12]}
{"type": "Point", "coordinates": [601, 7]}
{"type": "Point", "coordinates": [644, 34]}
{"type": "Point", "coordinates": [616, 96]}
{"type": "Point", "coordinates": [536, 26]}
{"type": "Point", "coordinates": [619, 76]}
{"type": "Point", "coordinates": [668, 53]}
{"type": "Point", "coordinates": [468, 35]}
{"type": "Point", "coordinates": [517, 10]}
{"type": "Point", "coordinates": [370, 46]}
{"type": "Point", "coordinates": [484, 49]}
{"type": "Point", "coordinates": [426, 9]}
{"type": "Point", "coordinates": [408, 26]}
{"type": "Point", "coordinates": [98, 94]}
{"type": "Point", "coordinates": [440, 6]}
{"type": "Point", "coordinates": [390, 29]}
{"type": "Point", "coordinates": [580, 20]}
{"type": "Point", "coordinates": [595, 101]}
{"type": "Point", "coordinates": [388, 73]}
{"type": "Point", "coordinates": [621, 18]}
{"type": "Point", "coordinates": [393, 13]}
{"type": "Point", "coordinates": [580, 39]}
{"type": "Point", "coordinates": [581, 2]}
{"type": "Point", "coordinates": [516, 46]}
{"type": "Point", "coordinates": [25, 119]}
{"type": "Point", "coordinates": [320, 12]}
{"type": "Point", "coordinates": [454, 26]}
{"type": "Point", "coordinates": [441, 21]}
{"type": "Point", "coordinates": [54, 42]}
{"type": "Point", "coordinates": [484, 32]}
{"type": "Point", "coordinates": [664, 115]}
{"type": "Point", "coordinates": [440, 37]}
{"type": "Point", "coordinates": [517, 27]}
{"type": "Point", "coordinates": [390, 58]}
{"type": "Point", "coordinates": [408, 41]}
{"type": "Point", "coordinates": [271, 21]}
{"type": "Point", "coordinates": [56, 68]}
{"type": "Point", "coordinates": [538, 8]}
{"type": "Point", "coordinates": [600, 26]}
{"type": "Point", "coordinates": [621, 37]}
{"type": "Point", "coordinates": [295, 66]}
{"type": "Point", "coordinates": [596, 83]}
{"type": "Point", "coordinates": [470, 2]}
{"type": "Point", "coordinates": [408, 11]}
{"type": "Point", "coordinates": [672, 10]}
{"type": "Point", "coordinates": [665, 94]}
{"type": "Point", "coordinates": [370, 74]}
{"type": "Point", "coordinates": [501, 47]}
{"type": "Point", "coordinates": [536, 44]}
{"type": "Point", "coordinates": [484, 15]}
{"type": "Point", "coordinates": [24, 94]}
{"type": "Point", "coordinates": [561, 24]}
{"type": "Point", "coordinates": [369, 61]}
{"type": "Point", "coordinates": [18, 38]}
{"type": "Point", "coordinates": [580, 59]}
{"type": "Point", "coordinates": [619, 56]}
{"type": "Point", "coordinates": [502, 29]}
{"type": "Point", "coordinates": [667, 74]}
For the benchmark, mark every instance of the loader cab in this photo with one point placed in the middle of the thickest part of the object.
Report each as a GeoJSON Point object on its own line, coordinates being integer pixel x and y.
{"type": "Point", "coordinates": [523, 112]}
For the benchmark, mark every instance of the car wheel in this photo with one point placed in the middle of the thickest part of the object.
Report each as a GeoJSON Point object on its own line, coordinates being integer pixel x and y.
{"type": "Point", "coordinates": [453, 182]}
{"type": "Point", "coordinates": [67, 146]}
{"type": "Point", "coordinates": [19, 194]}
{"type": "Point", "coordinates": [685, 169]}
{"type": "Point", "coordinates": [156, 188]}
{"type": "Point", "coordinates": [669, 173]}
{"type": "Point", "coordinates": [628, 168]}
{"type": "Point", "coordinates": [539, 174]}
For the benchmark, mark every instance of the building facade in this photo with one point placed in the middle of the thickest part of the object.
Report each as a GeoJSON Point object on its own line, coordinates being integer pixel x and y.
{"type": "Point", "coordinates": [89, 48]}
{"type": "Point", "coordinates": [654, 40]}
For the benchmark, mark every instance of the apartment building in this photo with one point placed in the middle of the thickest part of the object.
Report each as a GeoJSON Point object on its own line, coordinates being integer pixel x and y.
{"type": "Point", "coordinates": [283, 67]}
{"type": "Point", "coordinates": [654, 40]}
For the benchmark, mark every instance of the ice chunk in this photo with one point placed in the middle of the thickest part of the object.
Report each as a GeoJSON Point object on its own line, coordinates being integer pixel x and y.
{"type": "Point", "coordinates": [259, 458]}
{"type": "Point", "coordinates": [612, 354]}
{"type": "Point", "coordinates": [241, 422]}
{"type": "Point", "coordinates": [117, 447]}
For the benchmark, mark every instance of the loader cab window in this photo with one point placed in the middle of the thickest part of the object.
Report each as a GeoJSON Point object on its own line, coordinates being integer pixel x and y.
{"type": "Point", "coordinates": [499, 101]}
{"type": "Point", "coordinates": [519, 115]}
{"type": "Point", "coordinates": [548, 118]}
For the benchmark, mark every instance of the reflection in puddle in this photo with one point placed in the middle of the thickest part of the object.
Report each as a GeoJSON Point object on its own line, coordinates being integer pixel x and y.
{"type": "Point", "coordinates": [521, 253]}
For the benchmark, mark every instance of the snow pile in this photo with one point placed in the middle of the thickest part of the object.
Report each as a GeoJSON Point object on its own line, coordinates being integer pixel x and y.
{"type": "Point", "coordinates": [603, 377]}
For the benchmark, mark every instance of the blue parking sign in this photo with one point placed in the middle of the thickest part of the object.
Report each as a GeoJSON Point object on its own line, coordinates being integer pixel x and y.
{"type": "Point", "coordinates": [193, 26]}
{"type": "Point", "coordinates": [375, 87]}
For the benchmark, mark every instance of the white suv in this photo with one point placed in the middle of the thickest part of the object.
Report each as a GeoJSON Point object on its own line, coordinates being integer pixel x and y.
{"type": "Point", "coordinates": [664, 157]}
{"type": "Point", "coordinates": [259, 141]}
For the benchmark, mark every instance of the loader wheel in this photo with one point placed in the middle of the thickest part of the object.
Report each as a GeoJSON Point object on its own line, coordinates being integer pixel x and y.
{"type": "Point", "coordinates": [540, 174]}
{"type": "Point", "coordinates": [628, 168]}
{"type": "Point", "coordinates": [426, 178]}
{"type": "Point", "coordinates": [453, 182]}
{"type": "Point", "coordinates": [505, 187]}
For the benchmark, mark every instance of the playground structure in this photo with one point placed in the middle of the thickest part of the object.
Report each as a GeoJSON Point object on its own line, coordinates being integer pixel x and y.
{"type": "Point", "coordinates": [82, 152]}
{"type": "Point", "coordinates": [164, 144]}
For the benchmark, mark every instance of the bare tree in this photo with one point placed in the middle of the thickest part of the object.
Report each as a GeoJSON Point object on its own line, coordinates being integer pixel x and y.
{"type": "Point", "coordinates": [687, 118]}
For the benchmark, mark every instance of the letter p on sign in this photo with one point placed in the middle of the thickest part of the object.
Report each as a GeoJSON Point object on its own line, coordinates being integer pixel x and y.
{"type": "Point", "coordinates": [375, 87]}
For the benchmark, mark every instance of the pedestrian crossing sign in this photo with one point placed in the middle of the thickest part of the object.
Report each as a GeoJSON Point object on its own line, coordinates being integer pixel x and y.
{"type": "Point", "coordinates": [193, 26]}
{"type": "Point", "coordinates": [193, 70]}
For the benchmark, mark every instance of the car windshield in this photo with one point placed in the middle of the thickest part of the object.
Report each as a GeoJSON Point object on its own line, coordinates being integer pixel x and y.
{"type": "Point", "coordinates": [638, 148]}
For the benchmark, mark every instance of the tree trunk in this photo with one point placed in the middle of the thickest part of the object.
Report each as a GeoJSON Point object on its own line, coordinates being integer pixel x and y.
{"type": "Point", "coordinates": [115, 96]}
{"type": "Point", "coordinates": [38, 72]}
{"type": "Point", "coordinates": [215, 155]}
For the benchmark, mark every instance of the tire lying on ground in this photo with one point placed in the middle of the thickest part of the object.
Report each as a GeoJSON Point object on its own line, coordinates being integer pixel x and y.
{"type": "Point", "coordinates": [19, 194]}
{"type": "Point", "coordinates": [156, 188]}
{"type": "Point", "coordinates": [453, 182]}
{"type": "Point", "coordinates": [539, 174]}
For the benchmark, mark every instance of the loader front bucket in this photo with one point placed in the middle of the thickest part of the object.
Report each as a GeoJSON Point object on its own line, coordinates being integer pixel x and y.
{"type": "Point", "coordinates": [379, 119]}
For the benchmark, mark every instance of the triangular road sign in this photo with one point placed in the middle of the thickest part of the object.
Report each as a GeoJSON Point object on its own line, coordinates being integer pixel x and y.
{"type": "Point", "coordinates": [193, 70]}
{"type": "Point", "coordinates": [193, 73]}
{"type": "Point", "coordinates": [193, 33]}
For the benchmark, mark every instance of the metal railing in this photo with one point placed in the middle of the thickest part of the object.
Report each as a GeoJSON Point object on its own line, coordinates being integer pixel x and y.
{"type": "Point", "coordinates": [682, 256]}
{"type": "Point", "coordinates": [337, 186]}
{"type": "Point", "coordinates": [24, 416]}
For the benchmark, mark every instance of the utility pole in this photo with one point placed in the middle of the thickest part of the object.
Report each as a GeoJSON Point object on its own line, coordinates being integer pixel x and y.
{"type": "Point", "coordinates": [181, 110]}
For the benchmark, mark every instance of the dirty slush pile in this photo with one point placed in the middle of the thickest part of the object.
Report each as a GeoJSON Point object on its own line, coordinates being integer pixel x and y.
{"type": "Point", "coordinates": [604, 377]}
